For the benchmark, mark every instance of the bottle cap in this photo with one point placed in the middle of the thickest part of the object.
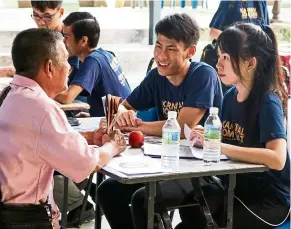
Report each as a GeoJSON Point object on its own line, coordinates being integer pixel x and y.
{"type": "Point", "coordinates": [172, 114]}
{"type": "Point", "coordinates": [213, 110]}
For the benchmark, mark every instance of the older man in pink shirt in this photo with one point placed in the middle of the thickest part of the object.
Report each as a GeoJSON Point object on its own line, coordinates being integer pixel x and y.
{"type": "Point", "coordinates": [36, 138]}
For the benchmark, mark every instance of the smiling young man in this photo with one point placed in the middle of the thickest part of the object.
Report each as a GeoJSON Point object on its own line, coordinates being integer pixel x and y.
{"type": "Point", "coordinates": [99, 74]}
{"type": "Point", "coordinates": [190, 88]}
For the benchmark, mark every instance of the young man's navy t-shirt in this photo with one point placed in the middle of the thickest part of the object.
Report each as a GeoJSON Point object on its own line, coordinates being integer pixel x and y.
{"type": "Point", "coordinates": [270, 125]}
{"type": "Point", "coordinates": [200, 89]}
{"type": "Point", "coordinates": [101, 74]}
{"type": "Point", "coordinates": [230, 12]}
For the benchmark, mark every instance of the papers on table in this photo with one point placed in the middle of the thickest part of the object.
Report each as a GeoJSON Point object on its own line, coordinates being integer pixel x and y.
{"type": "Point", "coordinates": [135, 165]}
{"type": "Point", "coordinates": [155, 150]}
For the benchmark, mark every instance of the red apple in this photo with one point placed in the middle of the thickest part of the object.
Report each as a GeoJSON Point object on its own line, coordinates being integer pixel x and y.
{"type": "Point", "coordinates": [136, 139]}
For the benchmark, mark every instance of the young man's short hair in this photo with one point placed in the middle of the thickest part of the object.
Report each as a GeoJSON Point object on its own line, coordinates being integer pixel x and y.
{"type": "Point", "coordinates": [180, 27]}
{"type": "Point", "coordinates": [76, 16]}
{"type": "Point", "coordinates": [84, 24]}
{"type": "Point", "coordinates": [42, 5]}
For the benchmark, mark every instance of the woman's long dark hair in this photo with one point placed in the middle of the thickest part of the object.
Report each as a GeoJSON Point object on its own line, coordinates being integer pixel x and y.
{"type": "Point", "coordinates": [243, 41]}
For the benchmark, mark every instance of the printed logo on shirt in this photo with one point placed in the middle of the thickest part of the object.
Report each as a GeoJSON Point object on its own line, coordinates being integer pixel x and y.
{"type": "Point", "coordinates": [252, 12]}
{"type": "Point", "coordinates": [171, 106]}
{"type": "Point", "coordinates": [114, 64]}
{"type": "Point", "coordinates": [121, 78]}
{"type": "Point", "coordinates": [232, 131]}
{"type": "Point", "coordinates": [116, 68]}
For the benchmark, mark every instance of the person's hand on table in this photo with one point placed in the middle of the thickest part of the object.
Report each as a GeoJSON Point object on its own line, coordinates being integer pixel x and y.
{"type": "Point", "coordinates": [125, 121]}
{"type": "Point", "coordinates": [111, 144]}
{"type": "Point", "coordinates": [101, 137]}
{"type": "Point", "coordinates": [197, 136]}
{"type": "Point", "coordinates": [103, 123]}
{"type": "Point", "coordinates": [127, 118]}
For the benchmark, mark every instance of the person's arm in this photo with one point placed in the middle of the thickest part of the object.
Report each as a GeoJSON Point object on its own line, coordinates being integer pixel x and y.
{"type": "Point", "coordinates": [272, 134]}
{"type": "Point", "coordinates": [69, 95]}
{"type": "Point", "coordinates": [214, 33]}
{"type": "Point", "coordinates": [188, 115]}
{"type": "Point", "coordinates": [126, 115]}
{"type": "Point", "coordinates": [67, 151]}
{"type": "Point", "coordinates": [203, 90]}
{"type": "Point", "coordinates": [7, 71]}
{"type": "Point", "coordinates": [84, 80]}
{"type": "Point", "coordinates": [140, 98]}
{"type": "Point", "coordinates": [125, 106]}
{"type": "Point", "coordinates": [222, 17]}
{"type": "Point", "coordinates": [273, 156]}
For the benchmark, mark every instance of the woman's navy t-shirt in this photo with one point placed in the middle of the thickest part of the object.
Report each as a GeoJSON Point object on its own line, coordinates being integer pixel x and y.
{"type": "Point", "coordinates": [270, 125]}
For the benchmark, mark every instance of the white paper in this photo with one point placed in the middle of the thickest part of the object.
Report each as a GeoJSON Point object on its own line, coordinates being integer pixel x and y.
{"type": "Point", "coordinates": [135, 165]}
{"type": "Point", "coordinates": [155, 150]}
{"type": "Point", "coordinates": [197, 152]}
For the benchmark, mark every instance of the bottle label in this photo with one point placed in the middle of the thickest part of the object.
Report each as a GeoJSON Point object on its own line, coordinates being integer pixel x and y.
{"type": "Point", "coordinates": [212, 133]}
{"type": "Point", "coordinates": [171, 137]}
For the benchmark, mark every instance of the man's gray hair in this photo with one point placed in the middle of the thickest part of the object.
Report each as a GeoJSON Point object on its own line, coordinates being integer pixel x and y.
{"type": "Point", "coordinates": [34, 47]}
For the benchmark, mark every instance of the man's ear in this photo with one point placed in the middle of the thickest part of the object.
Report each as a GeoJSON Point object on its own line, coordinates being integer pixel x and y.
{"type": "Point", "coordinates": [84, 41]}
{"type": "Point", "coordinates": [48, 68]}
{"type": "Point", "coordinates": [62, 11]}
{"type": "Point", "coordinates": [191, 51]}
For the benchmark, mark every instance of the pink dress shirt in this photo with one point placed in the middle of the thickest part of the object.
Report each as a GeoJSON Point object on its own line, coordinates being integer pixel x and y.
{"type": "Point", "coordinates": [37, 139]}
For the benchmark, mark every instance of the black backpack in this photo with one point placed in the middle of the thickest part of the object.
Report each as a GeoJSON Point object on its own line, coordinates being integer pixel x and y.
{"type": "Point", "coordinates": [209, 54]}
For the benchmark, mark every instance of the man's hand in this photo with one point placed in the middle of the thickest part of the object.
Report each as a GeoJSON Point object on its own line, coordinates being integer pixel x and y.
{"type": "Point", "coordinates": [118, 140]}
{"type": "Point", "coordinates": [127, 118]}
{"type": "Point", "coordinates": [100, 137]}
{"type": "Point", "coordinates": [103, 123]}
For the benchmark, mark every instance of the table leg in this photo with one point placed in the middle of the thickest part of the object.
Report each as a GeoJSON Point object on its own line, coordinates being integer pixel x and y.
{"type": "Point", "coordinates": [230, 197]}
{"type": "Point", "coordinates": [65, 203]}
{"type": "Point", "coordinates": [98, 217]}
{"type": "Point", "coordinates": [151, 193]}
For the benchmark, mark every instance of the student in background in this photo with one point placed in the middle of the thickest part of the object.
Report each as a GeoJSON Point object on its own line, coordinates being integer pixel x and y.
{"type": "Point", "coordinates": [100, 72]}
{"type": "Point", "coordinates": [230, 12]}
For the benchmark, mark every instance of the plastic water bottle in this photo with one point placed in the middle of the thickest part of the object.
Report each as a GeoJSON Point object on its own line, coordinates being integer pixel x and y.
{"type": "Point", "coordinates": [212, 137]}
{"type": "Point", "coordinates": [171, 143]}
